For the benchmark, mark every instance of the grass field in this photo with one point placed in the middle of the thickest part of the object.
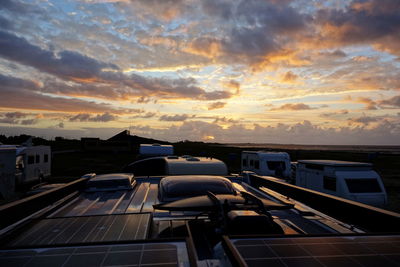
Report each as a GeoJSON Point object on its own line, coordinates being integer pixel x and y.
{"type": "Point", "coordinates": [71, 165]}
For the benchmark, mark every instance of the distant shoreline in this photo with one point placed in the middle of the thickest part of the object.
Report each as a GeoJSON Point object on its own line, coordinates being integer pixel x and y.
{"type": "Point", "coordinates": [354, 148]}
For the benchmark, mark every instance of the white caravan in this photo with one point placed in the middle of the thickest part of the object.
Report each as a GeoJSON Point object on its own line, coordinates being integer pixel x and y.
{"type": "Point", "coordinates": [351, 180]}
{"type": "Point", "coordinates": [151, 150]}
{"type": "Point", "coordinates": [275, 164]}
{"type": "Point", "coordinates": [30, 163]}
{"type": "Point", "coordinates": [174, 165]}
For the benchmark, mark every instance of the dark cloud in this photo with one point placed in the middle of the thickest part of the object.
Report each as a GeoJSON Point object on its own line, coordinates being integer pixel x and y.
{"type": "Point", "coordinates": [24, 94]}
{"type": "Point", "coordinates": [16, 6]}
{"type": "Point", "coordinates": [294, 106]}
{"type": "Point", "coordinates": [335, 113]}
{"type": "Point", "coordinates": [16, 115]}
{"type": "Point", "coordinates": [17, 118]}
{"type": "Point", "coordinates": [376, 21]}
{"type": "Point", "coordinates": [85, 117]}
{"type": "Point", "coordinates": [225, 120]}
{"type": "Point", "coordinates": [29, 122]}
{"type": "Point", "coordinates": [92, 78]}
{"type": "Point", "coordinates": [366, 120]}
{"type": "Point", "coordinates": [5, 23]}
{"type": "Point", "coordinates": [256, 32]}
{"type": "Point", "coordinates": [222, 9]}
{"type": "Point", "coordinates": [216, 105]}
{"type": "Point", "coordinates": [146, 115]}
{"type": "Point", "coordinates": [369, 103]}
{"type": "Point", "coordinates": [177, 117]}
{"type": "Point", "coordinates": [334, 54]}
{"type": "Point", "coordinates": [65, 64]}
{"type": "Point", "coordinates": [16, 83]}
{"type": "Point", "coordinates": [393, 102]}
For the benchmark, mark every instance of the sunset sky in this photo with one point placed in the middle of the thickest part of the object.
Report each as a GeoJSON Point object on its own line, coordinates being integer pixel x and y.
{"type": "Point", "coordinates": [277, 71]}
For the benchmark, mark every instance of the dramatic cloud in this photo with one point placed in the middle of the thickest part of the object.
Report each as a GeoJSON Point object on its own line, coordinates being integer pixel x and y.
{"type": "Point", "coordinates": [66, 64]}
{"type": "Point", "coordinates": [203, 70]}
{"type": "Point", "coordinates": [374, 21]}
{"type": "Point", "coordinates": [256, 35]}
{"type": "Point", "coordinates": [95, 78]}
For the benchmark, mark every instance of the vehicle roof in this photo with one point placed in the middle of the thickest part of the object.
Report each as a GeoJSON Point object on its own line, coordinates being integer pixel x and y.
{"type": "Point", "coordinates": [336, 163]}
{"type": "Point", "coordinates": [155, 145]}
{"type": "Point", "coordinates": [267, 153]}
{"type": "Point", "coordinates": [195, 165]}
{"type": "Point", "coordinates": [122, 227]}
{"type": "Point", "coordinates": [185, 159]}
{"type": "Point", "coordinates": [112, 176]}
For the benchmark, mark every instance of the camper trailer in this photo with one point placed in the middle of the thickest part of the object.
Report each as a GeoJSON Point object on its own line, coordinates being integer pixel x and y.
{"type": "Point", "coordinates": [275, 164]}
{"type": "Point", "coordinates": [151, 150]}
{"type": "Point", "coordinates": [20, 165]}
{"type": "Point", "coordinates": [352, 180]}
{"type": "Point", "coordinates": [31, 163]}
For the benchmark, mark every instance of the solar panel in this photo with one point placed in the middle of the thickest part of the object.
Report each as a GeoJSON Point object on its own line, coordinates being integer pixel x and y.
{"type": "Point", "coordinates": [138, 254]}
{"type": "Point", "coordinates": [87, 229]}
{"type": "Point", "coordinates": [319, 251]}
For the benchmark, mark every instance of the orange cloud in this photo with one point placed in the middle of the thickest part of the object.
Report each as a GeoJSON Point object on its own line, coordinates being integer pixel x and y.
{"type": "Point", "coordinates": [289, 77]}
{"type": "Point", "coordinates": [205, 46]}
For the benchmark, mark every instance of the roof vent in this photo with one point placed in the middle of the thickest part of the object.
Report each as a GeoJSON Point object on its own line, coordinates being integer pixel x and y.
{"type": "Point", "coordinates": [178, 187]}
{"type": "Point", "coordinates": [111, 182]}
{"type": "Point", "coordinates": [192, 159]}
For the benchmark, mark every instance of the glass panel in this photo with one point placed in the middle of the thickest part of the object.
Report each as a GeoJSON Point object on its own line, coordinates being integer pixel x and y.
{"type": "Point", "coordinates": [363, 185]}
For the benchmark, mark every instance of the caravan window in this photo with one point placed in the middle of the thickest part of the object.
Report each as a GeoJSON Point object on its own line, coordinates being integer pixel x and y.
{"type": "Point", "coordinates": [330, 183]}
{"type": "Point", "coordinates": [363, 185]}
{"type": "Point", "coordinates": [244, 162]}
{"type": "Point", "coordinates": [256, 164]}
{"type": "Point", "coordinates": [31, 159]}
{"type": "Point", "coordinates": [315, 167]}
{"type": "Point", "coordinates": [274, 165]}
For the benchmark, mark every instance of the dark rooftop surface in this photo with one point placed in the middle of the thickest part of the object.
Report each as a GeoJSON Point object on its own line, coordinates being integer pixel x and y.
{"type": "Point", "coordinates": [122, 228]}
{"type": "Point", "coordinates": [336, 163]}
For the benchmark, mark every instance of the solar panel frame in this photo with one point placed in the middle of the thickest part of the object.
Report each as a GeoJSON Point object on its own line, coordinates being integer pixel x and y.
{"type": "Point", "coordinates": [82, 229]}
{"type": "Point", "coordinates": [168, 252]}
{"type": "Point", "coordinates": [343, 250]}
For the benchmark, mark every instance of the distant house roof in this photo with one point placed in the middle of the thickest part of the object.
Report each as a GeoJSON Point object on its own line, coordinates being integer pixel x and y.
{"type": "Point", "coordinates": [126, 136]}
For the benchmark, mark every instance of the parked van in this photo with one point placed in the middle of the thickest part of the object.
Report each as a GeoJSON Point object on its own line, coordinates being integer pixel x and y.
{"type": "Point", "coordinates": [351, 180]}
{"type": "Point", "coordinates": [275, 164]}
